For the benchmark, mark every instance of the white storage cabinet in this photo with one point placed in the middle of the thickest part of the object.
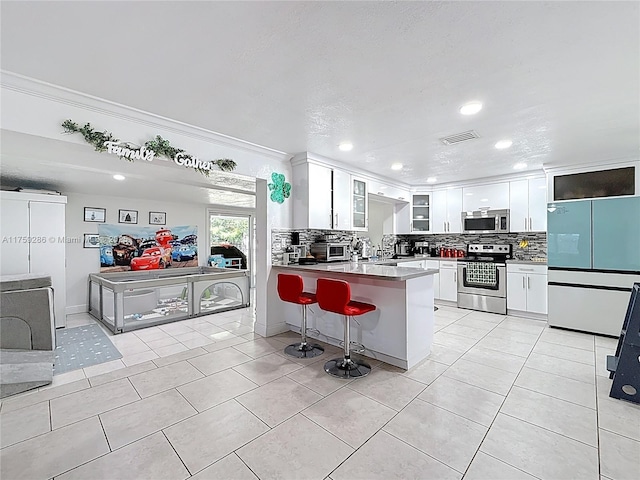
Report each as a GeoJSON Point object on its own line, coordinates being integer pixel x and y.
{"type": "Point", "coordinates": [321, 197]}
{"type": "Point", "coordinates": [528, 205]}
{"type": "Point", "coordinates": [527, 288]}
{"type": "Point", "coordinates": [446, 211]}
{"type": "Point", "coordinates": [421, 212]}
{"type": "Point", "coordinates": [33, 241]}
{"type": "Point", "coordinates": [360, 204]}
{"type": "Point", "coordinates": [494, 196]}
{"type": "Point", "coordinates": [448, 281]}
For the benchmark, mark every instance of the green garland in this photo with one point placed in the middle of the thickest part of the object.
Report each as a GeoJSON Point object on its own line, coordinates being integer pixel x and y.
{"type": "Point", "coordinates": [158, 145]}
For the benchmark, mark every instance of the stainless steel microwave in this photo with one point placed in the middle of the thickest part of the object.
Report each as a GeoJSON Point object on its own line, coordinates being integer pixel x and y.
{"type": "Point", "coordinates": [486, 221]}
{"type": "Point", "coordinates": [330, 252]}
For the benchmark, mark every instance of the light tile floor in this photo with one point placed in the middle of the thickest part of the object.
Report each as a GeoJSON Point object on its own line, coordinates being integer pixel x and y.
{"type": "Point", "coordinates": [499, 398]}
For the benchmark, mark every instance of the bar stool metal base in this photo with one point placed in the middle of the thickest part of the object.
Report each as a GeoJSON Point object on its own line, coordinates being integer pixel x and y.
{"type": "Point", "coordinates": [304, 350]}
{"type": "Point", "coordinates": [347, 368]}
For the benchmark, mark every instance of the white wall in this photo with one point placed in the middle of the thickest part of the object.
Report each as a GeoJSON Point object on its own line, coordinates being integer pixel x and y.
{"type": "Point", "coordinates": [83, 261]}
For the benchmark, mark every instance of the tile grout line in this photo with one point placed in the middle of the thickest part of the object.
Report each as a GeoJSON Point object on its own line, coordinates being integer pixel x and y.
{"type": "Point", "coordinates": [551, 396]}
{"type": "Point", "coordinates": [595, 372]}
{"type": "Point", "coordinates": [176, 452]}
{"type": "Point", "coordinates": [548, 430]}
{"type": "Point", "coordinates": [245, 463]}
{"type": "Point", "coordinates": [512, 466]}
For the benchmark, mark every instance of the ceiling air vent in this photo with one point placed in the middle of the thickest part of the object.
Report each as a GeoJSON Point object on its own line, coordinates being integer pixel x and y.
{"type": "Point", "coordinates": [459, 137]}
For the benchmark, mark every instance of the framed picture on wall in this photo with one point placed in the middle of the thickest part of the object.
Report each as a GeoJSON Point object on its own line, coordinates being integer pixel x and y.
{"type": "Point", "coordinates": [127, 216]}
{"type": "Point", "coordinates": [91, 240]}
{"type": "Point", "coordinates": [157, 218]}
{"type": "Point", "coordinates": [92, 214]}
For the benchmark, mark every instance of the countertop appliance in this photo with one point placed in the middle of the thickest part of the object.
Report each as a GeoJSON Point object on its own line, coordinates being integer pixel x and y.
{"type": "Point", "coordinates": [301, 250]}
{"type": "Point", "coordinates": [593, 260]}
{"type": "Point", "coordinates": [486, 221]}
{"type": "Point", "coordinates": [421, 248]}
{"type": "Point", "coordinates": [289, 258]}
{"type": "Point", "coordinates": [330, 251]}
{"type": "Point", "coordinates": [482, 278]}
{"type": "Point", "coordinates": [403, 249]}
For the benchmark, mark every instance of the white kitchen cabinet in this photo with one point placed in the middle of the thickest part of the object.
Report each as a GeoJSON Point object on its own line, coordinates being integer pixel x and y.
{"type": "Point", "coordinates": [446, 210]}
{"type": "Point", "coordinates": [538, 204]}
{"type": "Point", "coordinates": [321, 197]}
{"type": "Point", "coordinates": [528, 205]}
{"type": "Point", "coordinates": [376, 187]}
{"type": "Point", "coordinates": [454, 210]}
{"type": "Point", "coordinates": [360, 204]}
{"type": "Point", "coordinates": [448, 281]}
{"type": "Point", "coordinates": [494, 196]}
{"type": "Point", "coordinates": [527, 288]}
{"type": "Point", "coordinates": [33, 231]}
{"type": "Point", "coordinates": [421, 212]}
{"type": "Point", "coordinates": [341, 200]}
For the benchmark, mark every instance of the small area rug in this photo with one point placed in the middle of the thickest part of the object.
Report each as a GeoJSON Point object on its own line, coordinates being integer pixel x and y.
{"type": "Point", "coordinates": [80, 347]}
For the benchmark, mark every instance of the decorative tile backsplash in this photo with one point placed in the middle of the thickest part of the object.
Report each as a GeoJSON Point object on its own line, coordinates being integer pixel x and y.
{"type": "Point", "coordinates": [281, 239]}
{"type": "Point", "coordinates": [537, 242]}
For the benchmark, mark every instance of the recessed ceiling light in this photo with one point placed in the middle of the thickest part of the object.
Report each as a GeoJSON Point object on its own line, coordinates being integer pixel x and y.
{"type": "Point", "coordinates": [468, 194]}
{"type": "Point", "coordinates": [345, 146]}
{"type": "Point", "coordinates": [118, 177]}
{"type": "Point", "coordinates": [470, 108]}
{"type": "Point", "coordinates": [520, 166]}
{"type": "Point", "coordinates": [484, 199]}
{"type": "Point", "coordinates": [502, 144]}
{"type": "Point", "coordinates": [396, 166]}
{"type": "Point", "coordinates": [432, 180]}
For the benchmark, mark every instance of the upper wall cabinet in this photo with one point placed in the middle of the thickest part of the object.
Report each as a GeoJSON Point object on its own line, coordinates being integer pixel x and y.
{"type": "Point", "coordinates": [388, 191]}
{"type": "Point", "coordinates": [360, 203]}
{"type": "Point", "coordinates": [321, 197]}
{"type": "Point", "coordinates": [446, 211]}
{"type": "Point", "coordinates": [421, 212]}
{"type": "Point", "coordinates": [486, 197]}
{"type": "Point", "coordinates": [527, 202]}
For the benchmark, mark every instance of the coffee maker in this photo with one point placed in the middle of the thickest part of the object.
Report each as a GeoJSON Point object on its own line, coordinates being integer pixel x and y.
{"type": "Point", "coordinates": [421, 248]}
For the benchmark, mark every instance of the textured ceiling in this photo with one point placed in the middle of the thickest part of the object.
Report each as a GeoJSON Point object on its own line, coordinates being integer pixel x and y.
{"type": "Point", "coordinates": [561, 79]}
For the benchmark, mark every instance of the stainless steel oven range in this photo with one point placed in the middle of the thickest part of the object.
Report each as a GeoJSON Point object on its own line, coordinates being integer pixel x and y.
{"type": "Point", "coordinates": [482, 278]}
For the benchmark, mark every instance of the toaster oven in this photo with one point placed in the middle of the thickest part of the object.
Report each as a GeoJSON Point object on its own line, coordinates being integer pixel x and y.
{"type": "Point", "coordinates": [330, 252]}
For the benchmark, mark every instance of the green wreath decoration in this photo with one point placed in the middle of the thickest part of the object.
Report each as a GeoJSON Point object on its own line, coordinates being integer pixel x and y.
{"type": "Point", "coordinates": [279, 188]}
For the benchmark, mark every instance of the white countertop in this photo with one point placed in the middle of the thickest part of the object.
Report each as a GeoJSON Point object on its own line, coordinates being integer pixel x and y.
{"type": "Point", "coordinates": [364, 269]}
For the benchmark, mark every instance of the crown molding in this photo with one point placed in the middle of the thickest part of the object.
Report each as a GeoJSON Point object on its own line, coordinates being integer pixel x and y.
{"type": "Point", "coordinates": [600, 165]}
{"type": "Point", "coordinates": [37, 88]}
{"type": "Point", "coordinates": [309, 157]}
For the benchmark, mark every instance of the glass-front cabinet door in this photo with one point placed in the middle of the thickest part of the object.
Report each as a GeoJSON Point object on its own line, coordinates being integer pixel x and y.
{"type": "Point", "coordinates": [359, 217]}
{"type": "Point", "coordinates": [420, 212]}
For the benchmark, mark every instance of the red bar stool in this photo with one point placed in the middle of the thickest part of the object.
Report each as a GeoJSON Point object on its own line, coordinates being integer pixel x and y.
{"type": "Point", "coordinates": [290, 290]}
{"type": "Point", "coordinates": [335, 296]}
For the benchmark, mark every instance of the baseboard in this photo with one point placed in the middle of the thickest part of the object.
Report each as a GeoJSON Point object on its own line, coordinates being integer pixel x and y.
{"type": "Point", "coordinates": [76, 309]}
{"type": "Point", "coordinates": [520, 313]}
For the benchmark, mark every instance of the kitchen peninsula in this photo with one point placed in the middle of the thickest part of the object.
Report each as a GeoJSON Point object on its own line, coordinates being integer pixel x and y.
{"type": "Point", "coordinates": [398, 332]}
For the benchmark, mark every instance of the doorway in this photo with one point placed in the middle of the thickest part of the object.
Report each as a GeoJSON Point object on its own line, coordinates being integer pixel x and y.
{"type": "Point", "coordinates": [237, 232]}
